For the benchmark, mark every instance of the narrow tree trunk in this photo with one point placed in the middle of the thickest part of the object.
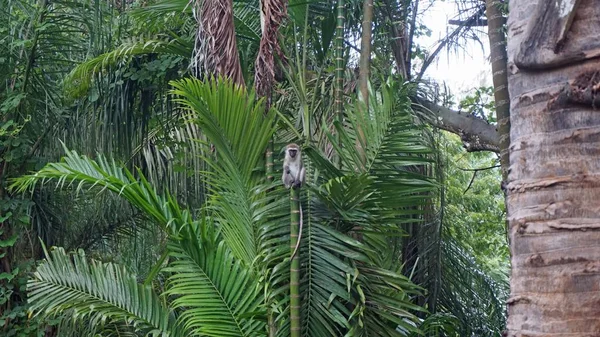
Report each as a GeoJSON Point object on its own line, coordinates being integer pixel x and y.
{"type": "Point", "coordinates": [365, 50]}
{"type": "Point", "coordinates": [269, 161]}
{"type": "Point", "coordinates": [411, 36]}
{"type": "Point", "coordinates": [364, 68]}
{"type": "Point", "coordinates": [339, 60]}
{"type": "Point", "coordinates": [397, 36]}
{"type": "Point", "coordinates": [295, 263]}
{"type": "Point", "coordinates": [272, 14]}
{"type": "Point", "coordinates": [499, 61]}
{"type": "Point", "coordinates": [554, 177]}
{"type": "Point", "coordinates": [339, 66]}
{"type": "Point", "coordinates": [499, 68]}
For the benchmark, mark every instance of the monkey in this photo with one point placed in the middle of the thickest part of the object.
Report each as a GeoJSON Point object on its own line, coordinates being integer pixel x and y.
{"type": "Point", "coordinates": [293, 169]}
{"type": "Point", "coordinates": [293, 176]}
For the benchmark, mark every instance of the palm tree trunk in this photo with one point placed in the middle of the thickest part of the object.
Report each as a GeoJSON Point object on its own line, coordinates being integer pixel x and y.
{"type": "Point", "coordinates": [553, 187]}
{"type": "Point", "coordinates": [295, 263]}
{"type": "Point", "coordinates": [499, 68]}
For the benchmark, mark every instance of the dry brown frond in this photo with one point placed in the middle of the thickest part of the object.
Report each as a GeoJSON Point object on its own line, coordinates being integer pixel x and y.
{"type": "Point", "coordinates": [272, 14]}
{"type": "Point", "coordinates": [215, 52]}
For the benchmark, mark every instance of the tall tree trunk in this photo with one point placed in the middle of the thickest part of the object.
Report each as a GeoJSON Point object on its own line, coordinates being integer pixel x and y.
{"type": "Point", "coordinates": [215, 52]}
{"type": "Point", "coordinates": [500, 79]}
{"type": "Point", "coordinates": [414, 9]}
{"type": "Point", "coordinates": [554, 185]}
{"type": "Point", "coordinates": [397, 36]}
{"type": "Point", "coordinates": [365, 50]}
{"type": "Point", "coordinates": [364, 68]}
{"type": "Point", "coordinates": [339, 66]}
{"type": "Point", "coordinates": [499, 61]}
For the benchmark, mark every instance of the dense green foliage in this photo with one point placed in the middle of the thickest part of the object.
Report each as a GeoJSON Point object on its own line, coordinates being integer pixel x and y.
{"type": "Point", "coordinates": [133, 197]}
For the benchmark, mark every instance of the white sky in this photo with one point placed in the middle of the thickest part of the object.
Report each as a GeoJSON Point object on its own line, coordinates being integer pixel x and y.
{"type": "Point", "coordinates": [461, 70]}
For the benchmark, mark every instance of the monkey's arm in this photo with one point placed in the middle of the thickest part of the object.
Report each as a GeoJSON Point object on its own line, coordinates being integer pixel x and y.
{"type": "Point", "coordinates": [286, 177]}
{"type": "Point", "coordinates": [299, 181]}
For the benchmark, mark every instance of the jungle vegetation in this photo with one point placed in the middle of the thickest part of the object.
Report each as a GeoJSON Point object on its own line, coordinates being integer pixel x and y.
{"type": "Point", "coordinates": [140, 155]}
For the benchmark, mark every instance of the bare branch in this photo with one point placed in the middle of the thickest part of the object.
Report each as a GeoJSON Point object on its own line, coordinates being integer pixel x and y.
{"type": "Point", "coordinates": [468, 23]}
{"type": "Point", "coordinates": [479, 169]}
{"type": "Point", "coordinates": [477, 23]}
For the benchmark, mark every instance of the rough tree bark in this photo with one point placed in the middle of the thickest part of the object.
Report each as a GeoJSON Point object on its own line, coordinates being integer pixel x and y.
{"type": "Point", "coordinates": [554, 179]}
{"type": "Point", "coordinates": [397, 35]}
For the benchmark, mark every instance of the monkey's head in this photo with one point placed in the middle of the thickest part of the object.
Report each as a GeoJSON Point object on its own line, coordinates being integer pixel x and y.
{"type": "Point", "coordinates": [292, 150]}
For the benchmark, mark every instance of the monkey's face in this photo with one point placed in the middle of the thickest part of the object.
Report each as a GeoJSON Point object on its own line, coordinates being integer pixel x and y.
{"type": "Point", "coordinates": [292, 152]}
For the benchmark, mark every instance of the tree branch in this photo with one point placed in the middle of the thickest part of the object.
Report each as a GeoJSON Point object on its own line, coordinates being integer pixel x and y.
{"type": "Point", "coordinates": [475, 133]}
{"type": "Point", "coordinates": [479, 169]}
{"type": "Point", "coordinates": [477, 23]}
{"type": "Point", "coordinates": [468, 23]}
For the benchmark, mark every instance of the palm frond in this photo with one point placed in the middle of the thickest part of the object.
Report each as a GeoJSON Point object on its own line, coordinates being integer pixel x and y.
{"type": "Point", "coordinates": [472, 297]}
{"type": "Point", "coordinates": [81, 76]}
{"type": "Point", "coordinates": [371, 199]}
{"type": "Point", "coordinates": [219, 295]}
{"type": "Point", "coordinates": [160, 9]}
{"type": "Point", "coordinates": [239, 131]}
{"type": "Point", "coordinates": [386, 304]}
{"type": "Point", "coordinates": [97, 293]}
{"type": "Point", "coordinates": [107, 175]}
{"type": "Point", "coordinates": [247, 19]}
{"type": "Point", "coordinates": [245, 13]}
{"type": "Point", "coordinates": [325, 286]}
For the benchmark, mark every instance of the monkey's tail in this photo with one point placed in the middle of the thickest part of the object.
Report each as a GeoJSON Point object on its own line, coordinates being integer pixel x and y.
{"type": "Point", "coordinates": [299, 233]}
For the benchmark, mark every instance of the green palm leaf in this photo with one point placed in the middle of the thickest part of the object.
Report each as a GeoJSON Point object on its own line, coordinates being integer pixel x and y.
{"type": "Point", "coordinates": [371, 198]}
{"type": "Point", "coordinates": [468, 293]}
{"type": "Point", "coordinates": [81, 76]}
{"type": "Point", "coordinates": [219, 295]}
{"type": "Point", "coordinates": [96, 293]}
{"type": "Point", "coordinates": [107, 175]}
{"type": "Point", "coordinates": [239, 131]}
{"type": "Point", "coordinates": [245, 14]}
